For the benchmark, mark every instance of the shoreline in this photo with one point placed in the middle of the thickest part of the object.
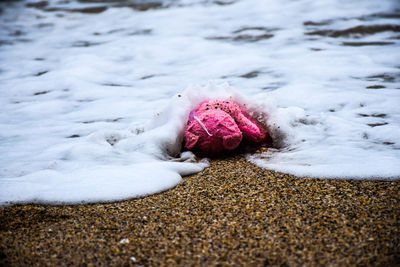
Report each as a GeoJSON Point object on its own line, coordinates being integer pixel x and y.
{"type": "Point", "coordinates": [231, 213]}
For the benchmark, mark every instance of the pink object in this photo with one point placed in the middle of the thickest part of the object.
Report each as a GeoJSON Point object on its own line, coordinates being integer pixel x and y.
{"type": "Point", "coordinates": [221, 125]}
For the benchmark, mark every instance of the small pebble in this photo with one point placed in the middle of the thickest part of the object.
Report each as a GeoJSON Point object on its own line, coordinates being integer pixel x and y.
{"type": "Point", "coordinates": [124, 241]}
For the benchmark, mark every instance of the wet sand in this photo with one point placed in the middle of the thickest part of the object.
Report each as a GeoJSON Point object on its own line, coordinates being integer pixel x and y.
{"type": "Point", "coordinates": [232, 213]}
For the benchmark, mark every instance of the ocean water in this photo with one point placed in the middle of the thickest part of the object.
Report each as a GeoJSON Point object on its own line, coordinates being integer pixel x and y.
{"type": "Point", "coordinates": [94, 95]}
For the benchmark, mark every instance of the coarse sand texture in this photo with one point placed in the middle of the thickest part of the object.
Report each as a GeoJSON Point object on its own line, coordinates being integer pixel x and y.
{"type": "Point", "coordinates": [232, 213]}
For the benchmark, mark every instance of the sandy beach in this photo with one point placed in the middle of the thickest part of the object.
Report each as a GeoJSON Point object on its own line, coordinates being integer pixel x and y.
{"type": "Point", "coordinates": [95, 97]}
{"type": "Point", "coordinates": [232, 213]}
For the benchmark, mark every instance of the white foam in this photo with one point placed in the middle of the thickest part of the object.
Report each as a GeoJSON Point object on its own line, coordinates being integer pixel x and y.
{"type": "Point", "coordinates": [80, 93]}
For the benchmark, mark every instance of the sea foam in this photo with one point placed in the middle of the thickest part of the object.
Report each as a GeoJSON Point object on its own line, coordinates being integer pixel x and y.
{"type": "Point", "coordinates": [111, 165]}
{"type": "Point", "coordinates": [89, 105]}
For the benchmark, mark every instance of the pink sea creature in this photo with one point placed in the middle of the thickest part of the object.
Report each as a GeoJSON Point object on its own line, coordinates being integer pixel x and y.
{"type": "Point", "coordinates": [218, 125]}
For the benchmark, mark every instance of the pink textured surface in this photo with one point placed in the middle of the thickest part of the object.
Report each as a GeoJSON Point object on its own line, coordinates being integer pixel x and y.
{"type": "Point", "coordinates": [226, 122]}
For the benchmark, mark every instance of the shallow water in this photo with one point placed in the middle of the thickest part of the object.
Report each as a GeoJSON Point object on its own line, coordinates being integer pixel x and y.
{"type": "Point", "coordinates": [83, 85]}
